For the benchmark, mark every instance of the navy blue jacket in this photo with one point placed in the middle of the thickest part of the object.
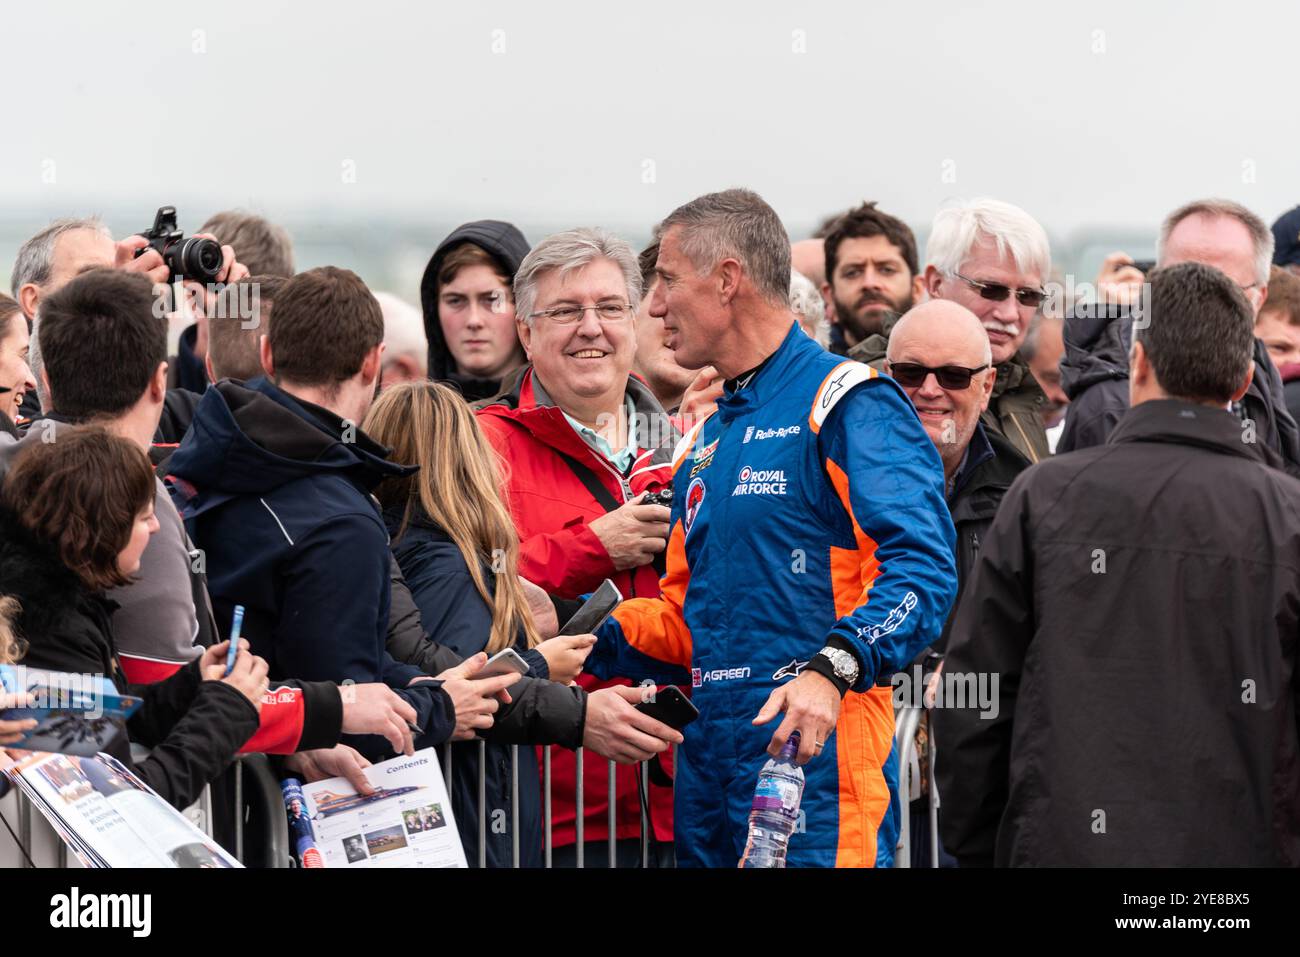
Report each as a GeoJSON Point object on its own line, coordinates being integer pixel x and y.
{"type": "Point", "coordinates": [276, 493]}
{"type": "Point", "coordinates": [455, 615]}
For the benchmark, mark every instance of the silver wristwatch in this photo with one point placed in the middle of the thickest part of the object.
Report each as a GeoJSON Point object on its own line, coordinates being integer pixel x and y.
{"type": "Point", "coordinates": [845, 665]}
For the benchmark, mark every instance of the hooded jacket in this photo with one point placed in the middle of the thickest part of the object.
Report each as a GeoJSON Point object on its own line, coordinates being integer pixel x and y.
{"type": "Point", "coordinates": [1014, 407]}
{"type": "Point", "coordinates": [276, 492]}
{"type": "Point", "coordinates": [1094, 374]}
{"type": "Point", "coordinates": [1138, 603]}
{"type": "Point", "coordinates": [552, 509]}
{"type": "Point", "coordinates": [507, 245]}
{"type": "Point", "coordinates": [193, 726]}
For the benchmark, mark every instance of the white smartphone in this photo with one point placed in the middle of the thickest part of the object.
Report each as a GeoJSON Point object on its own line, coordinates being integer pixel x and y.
{"type": "Point", "coordinates": [504, 662]}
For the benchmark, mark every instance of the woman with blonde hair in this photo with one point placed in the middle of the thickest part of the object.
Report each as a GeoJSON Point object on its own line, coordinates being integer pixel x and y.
{"type": "Point", "coordinates": [458, 551]}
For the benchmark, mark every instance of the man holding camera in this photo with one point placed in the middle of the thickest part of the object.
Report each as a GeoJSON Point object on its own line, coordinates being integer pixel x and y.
{"type": "Point", "coordinates": [68, 247]}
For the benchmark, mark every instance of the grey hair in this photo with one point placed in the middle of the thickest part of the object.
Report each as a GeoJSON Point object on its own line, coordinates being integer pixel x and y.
{"type": "Point", "coordinates": [958, 228]}
{"type": "Point", "coordinates": [810, 307]}
{"type": "Point", "coordinates": [570, 250]}
{"type": "Point", "coordinates": [35, 259]}
{"type": "Point", "coordinates": [736, 224]}
{"type": "Point", "coordinates": [403, 328]}
{"type": "Point", "coordinates": [1261, 236]}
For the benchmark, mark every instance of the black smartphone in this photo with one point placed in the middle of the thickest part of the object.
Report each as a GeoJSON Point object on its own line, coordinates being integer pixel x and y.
{"type": "Point", "coordinates": [1144, 265]}
{"type": "Point", "coordinates": [670, 706]}
{"type": "Point", "coordinates": [594, 610]}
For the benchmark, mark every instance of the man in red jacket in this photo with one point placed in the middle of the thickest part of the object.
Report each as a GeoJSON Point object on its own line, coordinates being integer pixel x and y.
{"type": "Point", "coordinates": [584, 440]}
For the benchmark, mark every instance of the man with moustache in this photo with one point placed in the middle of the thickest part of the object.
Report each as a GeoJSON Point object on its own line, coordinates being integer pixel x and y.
{"type": "Point", "coordinates": [992, 258]}
{"type": "Point", "coordinates": [871, 275]}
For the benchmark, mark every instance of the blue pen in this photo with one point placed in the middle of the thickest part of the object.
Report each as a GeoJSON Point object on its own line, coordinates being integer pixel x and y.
{"type": "Point", "coordinates": [235, 627]}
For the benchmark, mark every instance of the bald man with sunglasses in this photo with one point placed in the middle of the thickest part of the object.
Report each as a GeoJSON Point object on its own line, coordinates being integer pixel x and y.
{"type": "Point", "coordinates": [940, 353]}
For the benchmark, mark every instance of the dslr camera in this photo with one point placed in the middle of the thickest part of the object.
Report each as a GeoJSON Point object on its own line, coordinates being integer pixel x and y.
{"type": "Point", "coordinates": [663, 496]}
{"type": "Point", "coordinates": [193, 258]}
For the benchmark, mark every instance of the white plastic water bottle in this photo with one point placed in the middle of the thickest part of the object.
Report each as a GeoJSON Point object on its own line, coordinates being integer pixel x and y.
{"type": "Point", "coordinates": [775, 811]}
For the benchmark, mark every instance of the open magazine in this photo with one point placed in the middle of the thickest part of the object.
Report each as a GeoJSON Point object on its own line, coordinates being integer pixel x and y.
{"type": "Point", "coordinates": [109, 817]}
{"type": "Point", "coordinates": [407, 822]}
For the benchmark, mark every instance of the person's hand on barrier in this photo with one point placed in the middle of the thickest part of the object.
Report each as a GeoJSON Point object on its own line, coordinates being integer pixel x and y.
{"type": "Point", "coordinates": [374, 708]}
{"type": "Point", "coordinates": [565, 655]}
{"type": "Point", "coordinates": [339, 761]}
{"type": "Point", "coordinates": [1119, 282]}
{"type": "Point", "coordinates": [633, 533]}
{"type": "Point", "coordinates": [476, 699]}
{"type": "Point", "coordinates": [812, 706]}
{"type": "Point", "coordinates": [615, 729]}
{"type": "Point", "coordinates": [701, 397]}
{"type": "Point", "coordinates": [12, 731]}
{"type": "Point", "coordinates": [249, 676]}
{"type": "Point", "coordinates": [543, 611]}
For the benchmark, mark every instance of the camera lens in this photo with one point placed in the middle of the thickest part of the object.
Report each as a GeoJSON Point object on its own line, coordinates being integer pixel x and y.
{"type": "Point", "coordinates": [199, 259]}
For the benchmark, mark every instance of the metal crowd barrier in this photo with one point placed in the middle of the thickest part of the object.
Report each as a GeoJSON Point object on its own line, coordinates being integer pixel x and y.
{"type": "Point", "coordinates": [448, 770]}
{"type": "Point", "coordinates": [906, 723]}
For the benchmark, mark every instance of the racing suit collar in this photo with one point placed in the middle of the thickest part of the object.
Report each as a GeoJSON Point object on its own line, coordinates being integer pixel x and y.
{"type": "Point", "coordinates": [752, 388]}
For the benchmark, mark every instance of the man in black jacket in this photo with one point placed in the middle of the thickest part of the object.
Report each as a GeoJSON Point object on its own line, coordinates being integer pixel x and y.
{"type": "Point", "coordinates": [1094, 373]}
{"type": "Point", "coordinates": [274, 479]}
{"type": "Point", "coordinates": [1135, 608]}
{"type": "Point", "coordinates": [105, 363]}
{"type": "Point", "coordinates": [941, 356]}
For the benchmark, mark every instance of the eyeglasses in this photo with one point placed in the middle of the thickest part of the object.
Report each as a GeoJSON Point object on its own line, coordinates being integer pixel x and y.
{"type": "Point", "coordinates": [569, 313]}
{"type": "Point", "coordinates": [912, 375]}
{"type": "Point", "coordinates": [998, 292]}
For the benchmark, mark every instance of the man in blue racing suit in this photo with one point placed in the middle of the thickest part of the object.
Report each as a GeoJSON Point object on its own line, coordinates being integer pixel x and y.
{"type": "Point", "coordinates": [810, 555]}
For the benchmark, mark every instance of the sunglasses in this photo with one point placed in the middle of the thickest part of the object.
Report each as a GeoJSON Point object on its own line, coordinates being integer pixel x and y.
{"type": "Point", "coordinates": [912, 375]}
{"type": "Point", "coordinates": [997, 292]}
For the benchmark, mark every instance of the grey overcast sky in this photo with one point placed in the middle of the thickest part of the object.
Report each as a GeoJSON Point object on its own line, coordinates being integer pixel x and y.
{"type": "Point", "coordinates": [1088, 113]}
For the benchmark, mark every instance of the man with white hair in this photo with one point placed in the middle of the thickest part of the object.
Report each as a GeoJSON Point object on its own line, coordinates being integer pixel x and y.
{"type": "Point", "coordinates": [993, 258]}
{"type": "Point", "coordinates": [405, 345]}
{"type": "Point", "coordinates": [1213, 232]}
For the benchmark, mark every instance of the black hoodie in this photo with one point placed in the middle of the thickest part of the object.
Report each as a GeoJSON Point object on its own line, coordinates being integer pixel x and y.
{"type": "Point", "coordinates": [276, 492]}
{"type": "Point", "coordinates": [504, 243]}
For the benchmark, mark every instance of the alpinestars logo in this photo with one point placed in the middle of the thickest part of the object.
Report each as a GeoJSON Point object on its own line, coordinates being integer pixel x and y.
{"type": "Point", "coordinates": [895, 618]}
{"type": "Point", "coordinates": [836, 384]}
{"type": "Point", "coordinates": [790, 671]}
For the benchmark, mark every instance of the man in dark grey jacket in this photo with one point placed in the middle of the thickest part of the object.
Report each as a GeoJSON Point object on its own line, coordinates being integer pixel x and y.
{"type": "Point", "coordinates": [1094, 372]}
{"type": "Point", "coordinates": [1136, 611]}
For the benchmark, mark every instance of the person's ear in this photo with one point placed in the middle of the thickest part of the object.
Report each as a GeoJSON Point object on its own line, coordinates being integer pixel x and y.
{"type": "Point", "coordinates": [930, 282]}
{"type": "Point", "coordinates": [372, 364]}
{"type": "Point", "coordinates": [29, 297]}
{"type": "Point", "coordinates": [525, 337]}
{"type": "Point", "coordinates": [1245, 384]}
{"type": "Point", "coordinates": [207, 365]}
{"type": "Point", "coordinates": [48, 404]}
{"type": "Point", "coordinates": [918, 287]}
{"type": "Point", "coordinates": [729, 275]}
{"type": "Point", "coordinates": [264, 352]}
{"type": "Point", "coordinates": [158, 384]}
